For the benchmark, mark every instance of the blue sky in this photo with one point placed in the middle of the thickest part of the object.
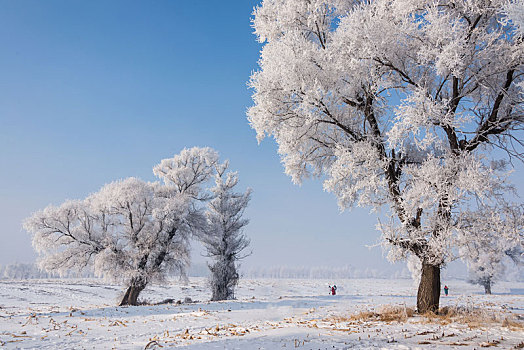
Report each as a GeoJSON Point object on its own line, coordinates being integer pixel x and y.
{"type": "Point", "coordinates": [94, 91]}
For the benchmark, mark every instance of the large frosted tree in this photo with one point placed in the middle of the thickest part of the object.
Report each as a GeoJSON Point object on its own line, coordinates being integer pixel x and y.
{"type": "Point", "coordinates": [224, 238]}
{"type": "Point", "coordinates": [397, 105]}
{"type": "Point", "coordinates": [130, 231]}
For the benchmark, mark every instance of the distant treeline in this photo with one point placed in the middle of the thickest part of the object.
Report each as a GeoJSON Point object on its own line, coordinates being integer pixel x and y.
{"type": "Point", "coordinates": [323, 272]}
{"type": "Point", "coordinates": [29, 271]}
{"type": "Point", "coordinates": [19, 271]}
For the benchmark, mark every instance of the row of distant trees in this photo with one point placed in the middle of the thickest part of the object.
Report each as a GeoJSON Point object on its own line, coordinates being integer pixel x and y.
{"type": "Point", "coordinates": [323, 272]}
{"type": "Point", "coordinates": [32, 271]}
{"type": "Point", "coordinates": [20, 271]}
{"type": "Point", "coordinates": [510, 270]}
{"type": "Point", "coordinates": [136, 232]}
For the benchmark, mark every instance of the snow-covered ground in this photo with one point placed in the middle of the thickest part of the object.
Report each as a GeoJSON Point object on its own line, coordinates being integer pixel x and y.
{"type": "Point", "coordinates": [269, 314]}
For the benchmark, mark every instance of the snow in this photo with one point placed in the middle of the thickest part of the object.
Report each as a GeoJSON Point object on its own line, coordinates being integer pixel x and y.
{"type": "Point", "coordinates": [268, 314]}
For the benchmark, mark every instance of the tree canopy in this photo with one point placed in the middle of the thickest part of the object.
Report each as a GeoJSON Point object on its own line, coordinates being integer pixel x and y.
{"type": "Point", "coordinates": [397, 105]}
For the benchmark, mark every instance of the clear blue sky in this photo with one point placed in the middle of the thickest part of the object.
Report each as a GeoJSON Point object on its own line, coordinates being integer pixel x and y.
{"type": "Point", "coordinates": [93, 91]}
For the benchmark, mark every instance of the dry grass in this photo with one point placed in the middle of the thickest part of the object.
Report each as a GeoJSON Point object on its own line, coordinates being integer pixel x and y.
{"type": "Point", "coordinates": [513, 325]}
{"type": "Point", "coordinates": [473, 317]}
{"type": "Point", "coordinates": [363, 316]}
{"type": "Point", "coordinates": [395, 313]}
{"type": "Point", "coordinates": [387, 313]}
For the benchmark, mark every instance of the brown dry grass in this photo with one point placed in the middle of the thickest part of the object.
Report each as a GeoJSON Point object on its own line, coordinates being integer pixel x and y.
{"type": "Point", "coordinates": [513, 325]}
{"type": "Point", "coordinates": [473, 317]}
{"type": "Point", "coordinates": [395, 313]}
{"type": "Point", "coordinates": [363, 316]}
{"type": "Point", "coordinates": [387, 313]}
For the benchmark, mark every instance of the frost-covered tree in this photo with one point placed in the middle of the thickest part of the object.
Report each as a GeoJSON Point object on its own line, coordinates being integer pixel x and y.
{"type": "Point", "coordinates": [131, 231]}
{"type": "Point", "coordinates": [514, 12]}
{"type": "Point", "coordinates": [483, 245]}
{"type": "Point", "coordinates": [484, 268]}
{"type": "Point", "coordinates": [486, 265]}
{"type": "Point", "coordinates": [188, 171]}
{"type": "Point", "coordinates": [395, 105]}
{"type": "Point", "coordinates": [224, 238]}
{"type": "Point", "coordinates": [516, 254]}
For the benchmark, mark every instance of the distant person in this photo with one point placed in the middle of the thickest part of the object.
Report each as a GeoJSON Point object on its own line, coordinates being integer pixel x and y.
{"type": "Point", "coordinates": [334, 290]}
{"type": "Point", "coordinates": [446, 289]}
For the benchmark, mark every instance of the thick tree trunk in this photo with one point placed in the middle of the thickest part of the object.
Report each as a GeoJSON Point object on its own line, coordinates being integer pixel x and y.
{"type": "Point", "coordinates": [219, 293]}
{"type": "Point", "coordinates": [224, 278]}
{"type": "Point", "coordinates": [131, 296]}
{"type": "Point", "coordinates": [429, 289]}
{"type": "Point", "coordinates": [487, 287]}
{"type": "Point", "coordinates": [220, 286]}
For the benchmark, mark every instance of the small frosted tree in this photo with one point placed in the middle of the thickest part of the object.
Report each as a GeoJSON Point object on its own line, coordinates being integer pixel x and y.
{"type": "Point", "coordinates": [485, 263]}
{"type": "Point", "coordinates": [487, 266]}
{"type": "Point", "coordinates": [131, 231]}
{"type": "Point", "coordinates": [224, 239]}
{"type": "Point", "coordinates": [395, 105]}
{"type": "Point", "coordinates": [484, 242]}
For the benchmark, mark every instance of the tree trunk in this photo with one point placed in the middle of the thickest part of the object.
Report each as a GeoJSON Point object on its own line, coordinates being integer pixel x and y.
{"type": "Point", "coordinates": [429, 289]}
{"type": "Point", "coordinates": [219, 293]}
{"type": "Point", "coordinates": [487, 287]}
{"type": "Point", "coordinates": [224, 278]}
{"type": "Point", "coordinates": [131, 296]}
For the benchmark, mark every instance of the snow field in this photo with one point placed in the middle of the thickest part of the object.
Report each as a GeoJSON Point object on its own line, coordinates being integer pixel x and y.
{"type": "Point", "coordinates": [268, 314]}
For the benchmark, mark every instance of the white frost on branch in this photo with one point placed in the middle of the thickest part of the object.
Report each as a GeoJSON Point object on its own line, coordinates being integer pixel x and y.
{"type": "Point", "coordinates": [395, 105]}
{"type": "Point", "coordinates": [187, 171]}
{"type": "Point", "coordinates": [130, 231]}
{"type": "Point", "coordinates": [514, 14]}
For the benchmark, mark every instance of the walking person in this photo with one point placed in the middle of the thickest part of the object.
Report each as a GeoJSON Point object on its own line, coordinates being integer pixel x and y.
{"type": "Point", "coordinates": [446, 289]}
{"type": "Point", "coordinates": [334, 290]}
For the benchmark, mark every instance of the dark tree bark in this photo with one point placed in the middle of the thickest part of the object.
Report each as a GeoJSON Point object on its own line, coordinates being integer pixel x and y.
{"type": "Point", "coordinates": [224, 278]}
{"type": "Point", "coordinates": [487, 287]}
{"type": "Point", "coordinates": [429, 289]}
{"type": "Point", "coordinates": [137, 285]}
{"type": "Point", "coordinates": [132, 292]}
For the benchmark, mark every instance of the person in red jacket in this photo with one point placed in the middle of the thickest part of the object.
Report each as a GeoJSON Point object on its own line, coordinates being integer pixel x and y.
{"type": "Point", "coordinates": [334, 290]}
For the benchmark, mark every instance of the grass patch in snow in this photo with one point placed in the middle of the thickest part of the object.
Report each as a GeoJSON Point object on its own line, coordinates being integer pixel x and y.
{"type": "Point", "coordinates": [389, 313]}
{"type": "Point", "coordinates": [386, 313]}
{"type": "Point", "coordinates": [473, 317]}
